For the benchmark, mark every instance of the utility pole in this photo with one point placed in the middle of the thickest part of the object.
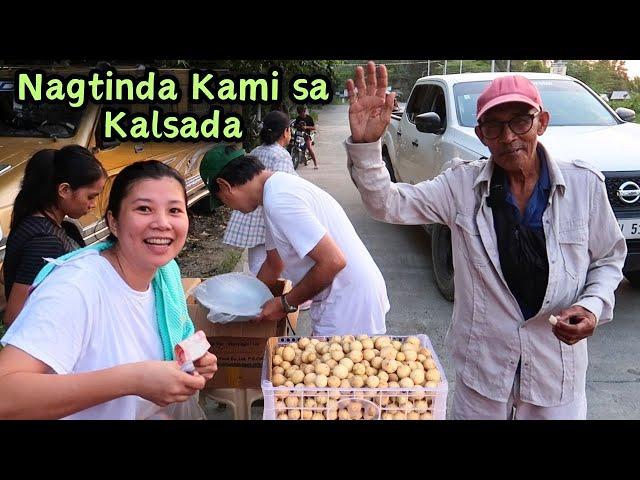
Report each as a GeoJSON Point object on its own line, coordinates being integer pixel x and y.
{"type": "Point", "coordinates": [428, 67]}
{"type": "Point", "coordinates": [493, 66]}
{"type": "Point", "coordinates": [460, 66]}
{"type": "Point", "coordinates": [508, 65]}
{"type": "Point", "coordinates": [445, 67]}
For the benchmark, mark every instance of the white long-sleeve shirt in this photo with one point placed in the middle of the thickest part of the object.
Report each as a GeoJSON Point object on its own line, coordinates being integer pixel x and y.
{"type": "Point", "coordinates": [489, 335]}
{"type": "Point", "coordinates": [247, 229]}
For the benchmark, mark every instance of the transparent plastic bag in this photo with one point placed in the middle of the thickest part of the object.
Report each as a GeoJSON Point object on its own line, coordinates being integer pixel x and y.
{"type": "Point", "coordinates": [232, 297]}
{"type": "Point", "coordinates": [188, 410]}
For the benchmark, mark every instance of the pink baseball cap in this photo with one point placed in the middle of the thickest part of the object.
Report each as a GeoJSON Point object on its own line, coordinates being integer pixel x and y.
{"type": "Point", "coordinates": [512, 88]}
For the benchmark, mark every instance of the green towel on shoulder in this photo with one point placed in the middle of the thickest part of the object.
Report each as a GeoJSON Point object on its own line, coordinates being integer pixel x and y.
{"type": "Point", "coordinates": [174, 323]}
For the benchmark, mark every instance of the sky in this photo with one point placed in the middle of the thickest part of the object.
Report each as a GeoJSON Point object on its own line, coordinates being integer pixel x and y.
{"type": "Point", "coordinates": [633, 68]}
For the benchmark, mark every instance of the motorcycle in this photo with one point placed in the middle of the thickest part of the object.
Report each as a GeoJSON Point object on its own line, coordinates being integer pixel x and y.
{"type": "Point", "coordinates": [297, 146]}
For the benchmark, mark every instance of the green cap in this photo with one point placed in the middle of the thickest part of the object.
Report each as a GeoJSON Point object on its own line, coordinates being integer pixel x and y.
{"type": "Point", "coordinates": [212, 164]}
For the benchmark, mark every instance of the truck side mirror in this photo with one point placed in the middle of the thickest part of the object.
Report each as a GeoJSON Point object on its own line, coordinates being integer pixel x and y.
{"type": "Point", "coordinates": [429, 122]}
{"type": "Point", "coordinates": [626, 114]}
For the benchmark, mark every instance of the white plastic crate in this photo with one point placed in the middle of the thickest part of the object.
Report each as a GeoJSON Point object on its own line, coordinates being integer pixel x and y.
{"type": "Point", "coordinates": [371, 402]}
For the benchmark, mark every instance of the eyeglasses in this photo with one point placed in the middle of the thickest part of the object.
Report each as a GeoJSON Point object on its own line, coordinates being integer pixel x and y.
{"type": "Point", "coordinates": [518, 125]}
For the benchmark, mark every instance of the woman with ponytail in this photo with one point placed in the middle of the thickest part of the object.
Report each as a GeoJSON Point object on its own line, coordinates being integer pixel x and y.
{"type": "Point", "coordinates": [56, 184]}
{"type": "Point", "coordinates": [247, 230]}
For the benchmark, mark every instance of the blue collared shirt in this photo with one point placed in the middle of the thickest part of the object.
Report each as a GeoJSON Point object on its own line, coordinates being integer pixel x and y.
{"type": "Point", "coordinates": [532, 217]}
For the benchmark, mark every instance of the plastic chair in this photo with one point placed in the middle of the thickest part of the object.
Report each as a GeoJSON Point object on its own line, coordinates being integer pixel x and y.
{"type": "Point", "coordinates": [233, 397]}
{"type": "Point", "coordinates": [240, 399]}
{"type": "Point", "coordinates": [253, 395]}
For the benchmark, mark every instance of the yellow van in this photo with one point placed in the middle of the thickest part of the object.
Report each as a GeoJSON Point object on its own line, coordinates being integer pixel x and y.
{"type": "Point", "coordinates": [27, 128]}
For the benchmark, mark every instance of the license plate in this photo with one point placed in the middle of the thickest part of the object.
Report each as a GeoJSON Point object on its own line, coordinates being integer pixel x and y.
{"type": "Point", "coordinates": [630, 228]}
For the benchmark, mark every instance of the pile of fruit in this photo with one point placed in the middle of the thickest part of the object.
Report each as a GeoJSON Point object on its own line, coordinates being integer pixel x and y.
{"type": "Point", "coordinates": [353, 378]}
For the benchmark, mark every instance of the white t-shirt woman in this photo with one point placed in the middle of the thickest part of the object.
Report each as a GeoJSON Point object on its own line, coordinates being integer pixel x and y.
{"type": "Point", "coordinates": [76, 325]}
{"type": "Point", "coordinates": [89, 342]}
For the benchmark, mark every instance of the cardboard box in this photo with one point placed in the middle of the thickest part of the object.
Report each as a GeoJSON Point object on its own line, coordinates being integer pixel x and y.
{"type": "Point", "coordinates": [239, 346]}
{"type": "Point", "coordinates": [188, 284]}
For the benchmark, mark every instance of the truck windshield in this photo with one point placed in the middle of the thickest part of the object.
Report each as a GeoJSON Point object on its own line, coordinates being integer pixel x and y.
{"type": "Point", "coordinates": [30, 120]}
{"type": "Point", "coordinates": [568, 103]}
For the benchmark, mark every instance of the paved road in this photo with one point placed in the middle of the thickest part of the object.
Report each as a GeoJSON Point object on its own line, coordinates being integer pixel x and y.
{"type": "Point", "coordinates": [403, 255]}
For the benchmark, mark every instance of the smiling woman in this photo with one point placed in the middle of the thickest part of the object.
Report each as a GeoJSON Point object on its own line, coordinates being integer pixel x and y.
{"type": "Point", "coordinates": [147, 217]}
{"type": "Point", "coordinates": [124, 311]}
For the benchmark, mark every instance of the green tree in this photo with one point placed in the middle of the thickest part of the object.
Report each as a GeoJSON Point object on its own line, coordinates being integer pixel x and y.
{"type": "Point", "coordinates": [601, 75]}
{"type": "Point", "coordinates": [633, 103]}
{"type": "Point", "coordinates": [473, 66]}
{"type": "Point", "coordinates": [534, 66]}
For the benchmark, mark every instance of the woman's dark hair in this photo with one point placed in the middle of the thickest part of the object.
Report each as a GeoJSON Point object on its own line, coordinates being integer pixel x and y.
{"type": "Point", "coordinates": [238, 172]}
{"type": "Point", "coordinates": [273, 126]}
{"type": "Point", "coordinates": [46, 170]}
{"type": "Point", "coordinates": [134, 173]}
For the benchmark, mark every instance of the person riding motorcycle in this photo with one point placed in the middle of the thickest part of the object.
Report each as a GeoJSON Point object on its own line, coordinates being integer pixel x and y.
{"type": "Point", "coordinates": [305, 122]}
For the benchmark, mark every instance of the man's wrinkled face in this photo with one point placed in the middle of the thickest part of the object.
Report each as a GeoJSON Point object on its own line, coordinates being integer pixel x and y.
{"type": "Point", "coordinates": [516, 127]}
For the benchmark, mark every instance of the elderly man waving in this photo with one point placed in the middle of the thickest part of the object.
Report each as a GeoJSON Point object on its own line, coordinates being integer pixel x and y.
{"type": "Point", "coordinates": [531, 238]}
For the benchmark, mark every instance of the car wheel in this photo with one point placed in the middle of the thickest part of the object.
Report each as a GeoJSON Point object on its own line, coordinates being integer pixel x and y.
{"type": "Point", "coordinates": [387, 162]}
{"type": "Point", "coordinates": [634, 278]}
{"type": "Point", "coordinates": [442, 258]}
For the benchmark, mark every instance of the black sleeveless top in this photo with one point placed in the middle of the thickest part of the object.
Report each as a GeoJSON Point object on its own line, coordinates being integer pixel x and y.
{"type": "Point", "coordinates": [34, 239]}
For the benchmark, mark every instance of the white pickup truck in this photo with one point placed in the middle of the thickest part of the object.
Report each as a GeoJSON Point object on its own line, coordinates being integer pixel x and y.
{"type": "Point", "coordinates": [438, 123]}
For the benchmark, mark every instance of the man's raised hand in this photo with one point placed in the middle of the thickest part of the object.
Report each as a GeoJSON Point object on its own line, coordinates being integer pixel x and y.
{"type": "Point", "coordinates": [370, 107]}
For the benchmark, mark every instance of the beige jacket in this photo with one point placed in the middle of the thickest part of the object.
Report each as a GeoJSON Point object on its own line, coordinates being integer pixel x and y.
{"type": "Point", "coordinates": [488, 334]}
